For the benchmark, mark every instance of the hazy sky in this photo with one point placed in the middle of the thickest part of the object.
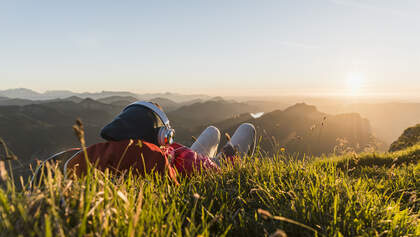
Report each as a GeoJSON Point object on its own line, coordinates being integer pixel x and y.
{"type": "Point", "coordinates": [218, 47]}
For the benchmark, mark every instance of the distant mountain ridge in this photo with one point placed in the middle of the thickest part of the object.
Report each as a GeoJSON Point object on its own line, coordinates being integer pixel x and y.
{"type": "Point", "coordinates": [23, 93]}
{"type": "Point", "coordinates": [167, 104]}
{"type": "Point", "coordinates": [387, 119]}
{"type": "Point", "coordinates": [301, 128]}
{"type": "Point", "coordinates": [208, 112]}
{"type": "Point", "coordinates": [118, 100]}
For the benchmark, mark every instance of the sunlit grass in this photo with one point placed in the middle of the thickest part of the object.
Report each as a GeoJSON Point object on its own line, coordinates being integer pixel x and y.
{"type": "Point", "coordinates": [375, 195]}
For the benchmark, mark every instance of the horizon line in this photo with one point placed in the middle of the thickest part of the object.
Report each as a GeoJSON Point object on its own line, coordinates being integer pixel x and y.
{"type": "Point", "coordinates": [280, 94]}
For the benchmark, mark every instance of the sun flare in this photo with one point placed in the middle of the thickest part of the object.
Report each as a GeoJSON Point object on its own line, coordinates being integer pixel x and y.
{"type": "Point", "coordinates": [355, 83]}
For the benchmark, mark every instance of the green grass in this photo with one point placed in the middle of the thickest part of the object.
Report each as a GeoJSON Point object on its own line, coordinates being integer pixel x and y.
{"type": "Point", "coordinates": [368, 195]}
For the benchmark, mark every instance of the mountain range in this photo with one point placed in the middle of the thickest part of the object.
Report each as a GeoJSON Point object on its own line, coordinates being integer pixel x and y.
{"type": "Point", "coordinates": [387, 119]}
{"type": "Point", "coordinates": [38, 129]}
{"type": "Point", "coordinates": [23, 111]}
{"type": "Point", "coordinates": [27, 94]}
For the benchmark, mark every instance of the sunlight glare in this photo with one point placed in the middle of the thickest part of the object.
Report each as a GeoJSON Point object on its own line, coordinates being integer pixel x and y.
{"type": "Point", "coordinates": [355, 83]}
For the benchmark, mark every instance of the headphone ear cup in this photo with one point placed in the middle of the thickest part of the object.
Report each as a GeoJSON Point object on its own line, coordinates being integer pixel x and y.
{"type": "Point", "coordinates": [165, 136]}
{"type": "Point", "coordinates": [161, 136]}
{"type": "Point", "coordinates": [171, 135]}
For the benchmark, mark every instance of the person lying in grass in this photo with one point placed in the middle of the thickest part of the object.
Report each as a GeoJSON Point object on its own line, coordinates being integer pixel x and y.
{"type": "Point", "coordinates": [140, 138]}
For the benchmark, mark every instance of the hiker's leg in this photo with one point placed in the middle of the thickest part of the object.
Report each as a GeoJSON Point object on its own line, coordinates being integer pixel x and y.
{"type": "Point", "coordinates": [208, 141]}
{"type": "Point", "coordinates": [243, 140]}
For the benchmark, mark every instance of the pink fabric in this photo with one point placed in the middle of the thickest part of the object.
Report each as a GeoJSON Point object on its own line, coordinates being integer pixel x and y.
{"type": "Point", "coordinates": [187, 161]}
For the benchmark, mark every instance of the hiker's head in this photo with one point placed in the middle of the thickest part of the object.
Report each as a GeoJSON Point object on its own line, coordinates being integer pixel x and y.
{"type": "Point", "coordinates": [139, 120]}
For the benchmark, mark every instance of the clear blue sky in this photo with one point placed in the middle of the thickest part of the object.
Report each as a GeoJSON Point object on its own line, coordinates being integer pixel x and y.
{"type": "Point", "coordinates": [217, 47]}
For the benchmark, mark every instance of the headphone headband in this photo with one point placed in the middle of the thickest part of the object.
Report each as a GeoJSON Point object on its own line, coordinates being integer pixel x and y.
{"type": "Point", "coordinates": [155, 109]}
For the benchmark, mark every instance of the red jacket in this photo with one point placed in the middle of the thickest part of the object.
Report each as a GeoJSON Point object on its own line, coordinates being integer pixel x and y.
{"type": "Point", "coordinates": [142, 157]}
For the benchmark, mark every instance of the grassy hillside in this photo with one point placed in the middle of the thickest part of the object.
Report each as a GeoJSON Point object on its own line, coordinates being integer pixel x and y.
{"type": "Point", "coordinates": [410, 136]}
{"type": "Point", "coordinates": [368, 194]}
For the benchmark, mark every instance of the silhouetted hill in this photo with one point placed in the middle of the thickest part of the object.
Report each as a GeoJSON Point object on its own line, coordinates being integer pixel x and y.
{"type": "Point", "coordinates": [37, 130]}
{"type": "Point", "coordinates": [302, 128]}
{"type": "Point", "coordinates": [118, 100]}
{"type": "Point", "coordinates": [105, 94]}
{"type": "Point", "coordinates": [410, 137]}
{"type": "Point", "coordinates": [167, 104]}
{"type": "Point", "coordinates": [4, 101]}
{"type": "Point", "coordinates": [21, 93]}
{"type": "Point", "coordinates": [208, 112]}
{"type": "Point", "coordinates": [178, 98]}
{"type": "Point", "coordinates": [58, 94]}
{"type": "Point", "coordinates": [387, 119]}
{"type": "Point", "coordinates": [268, 106]}
{"type": "Point", "coordinates": [28, 94]}
{"type": "Point", "coordinates": [233, 121]}
{"type": "Point", "coordinates": [74, 99]}
{"type": "Point", "coordinates": [302, 109]}
{"type": "Point", "coordinates": [190, 102]}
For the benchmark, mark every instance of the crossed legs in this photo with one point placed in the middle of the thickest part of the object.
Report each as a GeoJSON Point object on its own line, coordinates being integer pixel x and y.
{"type": "Point", "coordinates": [243, 140]}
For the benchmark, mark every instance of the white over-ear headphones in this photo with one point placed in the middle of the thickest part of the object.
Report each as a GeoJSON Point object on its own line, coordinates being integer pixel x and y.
{"type": "Point", "coordinates": [165, 135]}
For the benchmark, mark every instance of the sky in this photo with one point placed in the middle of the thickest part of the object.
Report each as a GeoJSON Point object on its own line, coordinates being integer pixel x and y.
{"type": "Point", "coordinates": [218, 47]}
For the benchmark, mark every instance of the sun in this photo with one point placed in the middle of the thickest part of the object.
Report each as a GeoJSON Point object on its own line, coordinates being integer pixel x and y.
{"type": "Point", "coordinates": [355, 83]}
